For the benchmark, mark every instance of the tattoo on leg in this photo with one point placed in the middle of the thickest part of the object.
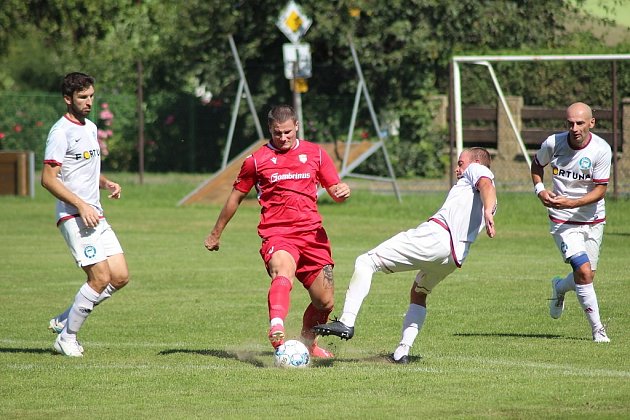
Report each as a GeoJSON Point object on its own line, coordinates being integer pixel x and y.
{"type": "Point", "coordinates": [328, 276]}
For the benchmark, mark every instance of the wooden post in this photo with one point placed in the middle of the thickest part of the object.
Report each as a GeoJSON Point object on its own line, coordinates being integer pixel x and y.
{"type": "Point", "coordinates": [507, 142]}
{"type": "Point", "coordinates": [615, 122]}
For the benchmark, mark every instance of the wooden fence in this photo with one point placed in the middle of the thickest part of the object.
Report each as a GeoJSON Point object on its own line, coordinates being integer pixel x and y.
{"type": "Point", "coordinates": [489, 127]}
{"type": "Point", "coordinates": [481, 126]}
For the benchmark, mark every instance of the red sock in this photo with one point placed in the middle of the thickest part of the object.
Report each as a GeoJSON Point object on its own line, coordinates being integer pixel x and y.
{"type": "Point", "coordinates": [279, 297]}
{"type": "Point", "coordinates": [311, 318]}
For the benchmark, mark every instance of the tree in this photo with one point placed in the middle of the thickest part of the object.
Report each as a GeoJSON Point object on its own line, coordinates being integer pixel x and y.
{"type": "Point", "coordinates": [404, 47]}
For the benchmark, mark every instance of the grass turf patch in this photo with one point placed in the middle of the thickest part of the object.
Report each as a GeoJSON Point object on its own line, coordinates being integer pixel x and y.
{"type": "Point", "coordinates": [187, 337]}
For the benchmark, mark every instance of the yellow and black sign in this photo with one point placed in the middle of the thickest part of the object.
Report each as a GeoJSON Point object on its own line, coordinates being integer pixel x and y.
{"type": "Point", "coordinates": [293, 22]}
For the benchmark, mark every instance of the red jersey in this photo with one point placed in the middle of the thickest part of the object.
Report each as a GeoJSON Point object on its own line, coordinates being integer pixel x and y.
{"type": "Point", "coordinates": [287, 184]}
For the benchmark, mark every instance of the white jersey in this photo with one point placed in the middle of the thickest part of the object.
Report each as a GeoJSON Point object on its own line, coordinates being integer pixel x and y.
{"type": "Point", "coordinates": [462, 212]}
{"type": "Point", "coordinates": [75, 147]}
{"type": "Point", "coordinates": [576, 172]}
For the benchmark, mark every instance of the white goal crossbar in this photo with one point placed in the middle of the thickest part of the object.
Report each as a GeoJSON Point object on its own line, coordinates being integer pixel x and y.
{"type": "Point", "coordinates": [485, 60]}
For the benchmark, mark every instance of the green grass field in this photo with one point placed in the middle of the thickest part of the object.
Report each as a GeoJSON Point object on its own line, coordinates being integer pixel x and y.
{"type": "Point", "coordinates": [187, 337]}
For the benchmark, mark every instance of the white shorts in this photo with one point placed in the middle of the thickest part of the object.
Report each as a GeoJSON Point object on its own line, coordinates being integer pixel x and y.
{"type": "Point", "coordinates": [90, 245]}
{"type": "Point", "coordinates": [573, 239]}
{"type": "Point", "coordinates": [426, 248]}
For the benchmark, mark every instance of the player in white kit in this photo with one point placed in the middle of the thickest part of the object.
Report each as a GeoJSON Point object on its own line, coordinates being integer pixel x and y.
{"type": "Point", "coordinates": [580, 166]}
{"type": "Point", "coordinates": [435, 249]}
{"type": "Point", "coordinates": [72, 173]}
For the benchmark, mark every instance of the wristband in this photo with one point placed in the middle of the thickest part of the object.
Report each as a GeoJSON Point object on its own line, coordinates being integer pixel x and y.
{"type": "Point", "coordinates": [538, 188]}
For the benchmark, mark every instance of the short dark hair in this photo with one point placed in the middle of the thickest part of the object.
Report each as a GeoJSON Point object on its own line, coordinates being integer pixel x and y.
{"type": "Point", "coordinates": [480, 154]}
{"type": "Point", "coordinates": [280, 113]}
{"type": "Point", "coordinates": [75, 82]}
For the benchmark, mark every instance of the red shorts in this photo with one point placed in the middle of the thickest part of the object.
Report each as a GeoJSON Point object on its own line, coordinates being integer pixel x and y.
{"type": "Point", "coordinates": [310, 250]}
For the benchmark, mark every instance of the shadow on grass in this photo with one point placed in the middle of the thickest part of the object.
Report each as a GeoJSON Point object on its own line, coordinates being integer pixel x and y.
{"type": "Point", "coordinates": [242, 356]}
{"type": "Point", "coordinates": [253, 358]}
{"type": "Point", "coordinates": [618, 234]}
{"type": "Point", "coordinates": [379, 358]}
{"type": "Point", "coordinates": [32, 351]}
{"type": "Point", "coordinates": [386, 358]}
{"type": "Point", "coordinates": [518, 335]}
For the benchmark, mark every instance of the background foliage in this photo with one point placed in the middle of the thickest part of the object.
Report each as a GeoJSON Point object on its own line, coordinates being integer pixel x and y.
{"type": "Point", "coordinates": [404, 48]}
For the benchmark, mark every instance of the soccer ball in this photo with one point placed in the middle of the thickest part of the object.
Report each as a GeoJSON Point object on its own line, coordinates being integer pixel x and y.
{"type": "Point", "coordinates": [291, 354]}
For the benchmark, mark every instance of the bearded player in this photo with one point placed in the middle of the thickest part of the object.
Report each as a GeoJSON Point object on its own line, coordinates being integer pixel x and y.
{"type": "Point", "coordinates": [72, 173]}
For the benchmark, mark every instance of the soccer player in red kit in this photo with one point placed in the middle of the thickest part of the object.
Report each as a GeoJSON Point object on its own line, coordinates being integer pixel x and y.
{"type": "Point", "coordinates": [287, 172]}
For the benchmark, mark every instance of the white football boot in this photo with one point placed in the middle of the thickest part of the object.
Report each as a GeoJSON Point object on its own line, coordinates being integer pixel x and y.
{"type": "Point", "coordinates": [55, 326]}
{"type": "Point", "coordinates": [599, 335]}
{"type": "Point", "coordinates": [68, 348]}
{"type": "Point", "coordinates": [556, 303]}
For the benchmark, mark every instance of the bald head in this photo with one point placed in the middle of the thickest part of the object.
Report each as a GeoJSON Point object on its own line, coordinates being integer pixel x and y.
{"type": "Point", "coordinates": [581, 109]}
{"type": "Point", "coordinates": [579, 123]}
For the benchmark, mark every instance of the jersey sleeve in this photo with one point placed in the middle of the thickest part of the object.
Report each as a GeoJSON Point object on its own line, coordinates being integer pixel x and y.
{"type": "Point", "coordinates": [247, 176]}
{"type": "Point", "coordinates": [328, 171]}
{"type": "Point", "coordinates": [56, 147]}
{"type": "Point", "coordinates": [476, 171]}
{"type": "Point", "coordinates": [601, 168]}
{"type": "Point", "coordinates": [543, 155]}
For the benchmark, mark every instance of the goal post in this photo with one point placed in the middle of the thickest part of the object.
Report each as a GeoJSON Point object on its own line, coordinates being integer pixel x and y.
{"type": "Point", "coordinates": [487, 60]}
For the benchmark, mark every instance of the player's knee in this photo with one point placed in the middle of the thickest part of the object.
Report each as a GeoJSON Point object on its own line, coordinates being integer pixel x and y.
{"type": "Point", "coordinates": [327, 302]}
{"type": "Point", "coordinates": [419, 290]}
{"type": "Point", "coordinates": [119, 277]}
{"type": "Point", "coordinates": [324, 303]}
{"type": "Point", "coordinates": [578, 260]}
{"type": "Point", "coordinates": [328, 305]}
{"type": "Point", "coordinates": [120, 282]}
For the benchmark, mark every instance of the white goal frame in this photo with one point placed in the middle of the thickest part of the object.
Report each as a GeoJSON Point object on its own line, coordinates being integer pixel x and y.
{"type": "Point", "coordinates": [485, 60]}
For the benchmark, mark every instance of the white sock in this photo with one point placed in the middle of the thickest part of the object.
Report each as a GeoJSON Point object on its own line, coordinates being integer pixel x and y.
{"type": "Point", "coordinates": [276, 321]}
{"type": "Point", "coordinates": [106, 294]}
{"type": "Point", "coordinates": [81, 308]}
{"type": "Point", "coordinates": [412, 323]}
{"type": "Point", "coordinates": [566, 284]}
{"type": "Point", "coordinates": [588, 300]}
{"type": "Point", "coordinates": [358, 288]}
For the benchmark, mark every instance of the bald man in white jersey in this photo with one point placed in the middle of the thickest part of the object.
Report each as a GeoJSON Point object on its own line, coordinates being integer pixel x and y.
{"type": "Point", "coordinates": [580, 167]}
{"type": "Point", "coordinates": [435, 249]}
{"type": "Point", "coordinates": [72, 173]}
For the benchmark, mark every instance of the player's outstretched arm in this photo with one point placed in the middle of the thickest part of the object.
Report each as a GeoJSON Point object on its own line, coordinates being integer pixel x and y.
{"type": "Point", "coordinates": [212, 242]}
{"type": "Point", "coordinates": [339, 192]}
{"type": "Point", "coordinates": [489, 199]}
